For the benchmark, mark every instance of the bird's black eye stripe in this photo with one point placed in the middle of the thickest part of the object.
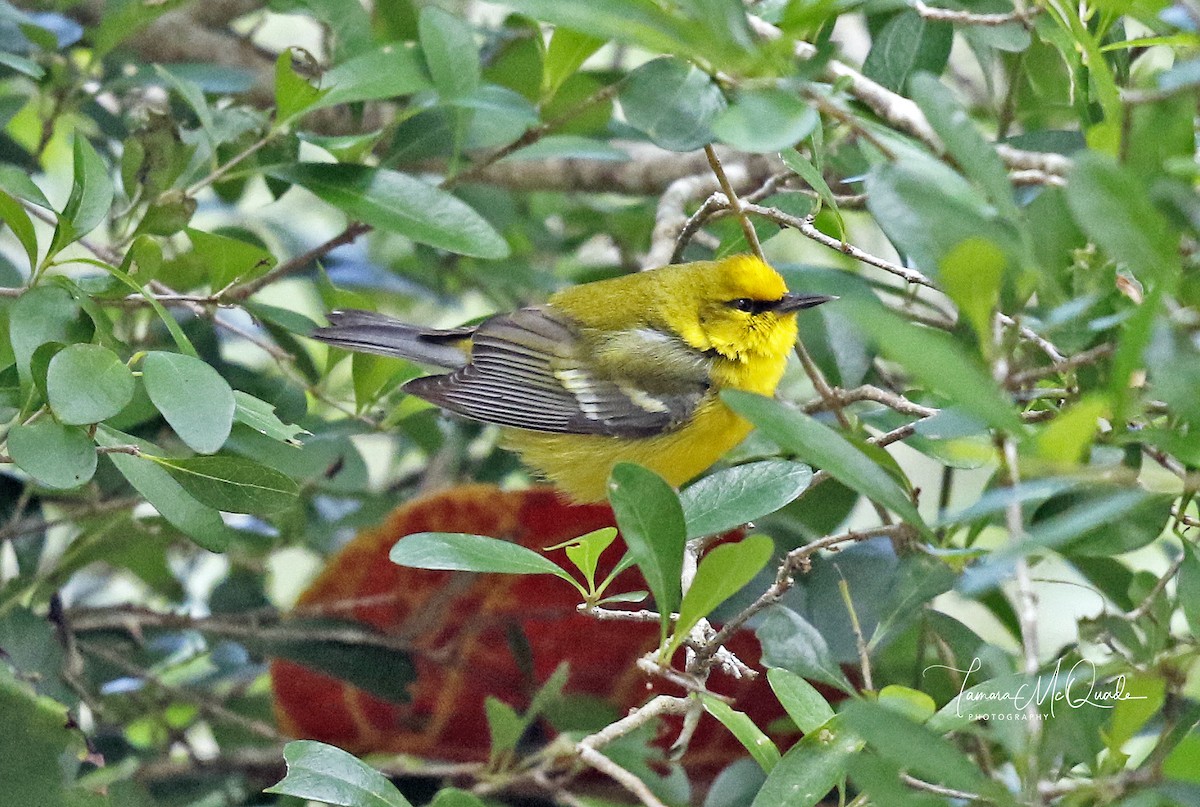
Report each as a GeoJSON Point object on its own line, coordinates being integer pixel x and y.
{"type": "Point", "coordinates": [752, 306]}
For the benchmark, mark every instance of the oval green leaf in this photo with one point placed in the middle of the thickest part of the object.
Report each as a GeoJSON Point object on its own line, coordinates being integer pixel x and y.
{"type": "Point", "coordinates": [320, 772]}
{"type": "Point", "coordinates": [825, 448]}
{"type": "Point", "coordinates": [462, 552]}
{"type": "Point", "coordinates": [807, 707]}
{"type": "Point", "coordinates": [721, 574]}
{"type": "Point", "coordinates": [730, 498]}
{"type": "Point", "coordinates": [393, 201]}
{"type": "Point", "coordinates": [192, 396]}
{"type": "Point", "coordinates": [87, 384]}
{"type": "Point", "coordinates": [765, 753]}
{"type": "Point", "coordinates": [57, 456]}
{"type": "Point", "coordinates": [673, 103]}
{"type": "Point", "coordinates": [768, 120]}
{"type": "Point", "coordinates": [809, 770]}
{"type": "Point", "coordinates": [651, 522]}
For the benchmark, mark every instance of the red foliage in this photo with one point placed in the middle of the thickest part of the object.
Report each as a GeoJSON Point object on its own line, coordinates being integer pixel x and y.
{"type": "Point", "coordinates": [461, 626]}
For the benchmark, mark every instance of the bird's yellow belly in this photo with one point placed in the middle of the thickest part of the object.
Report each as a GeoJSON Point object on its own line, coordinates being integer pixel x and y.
{"type": "Point", "coordinates": [580, 464]}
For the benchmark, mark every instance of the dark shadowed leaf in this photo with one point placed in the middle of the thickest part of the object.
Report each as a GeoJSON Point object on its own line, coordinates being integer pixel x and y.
{"type": "Point", "coordinates": [791, 642]}
{"type": "Point", "coordinates": [233, 484]}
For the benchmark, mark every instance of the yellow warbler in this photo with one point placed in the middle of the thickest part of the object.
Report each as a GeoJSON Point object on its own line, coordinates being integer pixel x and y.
{"type": "Point", "coordinates": [620, 370]}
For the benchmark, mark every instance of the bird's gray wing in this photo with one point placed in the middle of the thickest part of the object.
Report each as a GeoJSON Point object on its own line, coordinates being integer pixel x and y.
{"type": "Point", "coordinates": [368, 332]}
{"type": "Point", "coordinates": [528, 371]}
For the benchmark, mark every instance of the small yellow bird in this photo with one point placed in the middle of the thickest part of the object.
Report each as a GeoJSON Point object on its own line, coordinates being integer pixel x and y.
{"type": "Point", "coordinates": [620, 370]}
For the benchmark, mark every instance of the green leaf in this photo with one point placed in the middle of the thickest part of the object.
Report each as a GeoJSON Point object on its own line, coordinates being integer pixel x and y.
{"type": "Point", "coordinates": [460, 552]}
{"type": "Point", "coordinates": [566, 53]}
{"type": "Point", "coordinates": [722, 572]}
{"type": "Point", "coordinates": [384, 672]}
{"type": "Point", "coordinates": [807, 707]}
{"type": "Point", "coordinates": [450, 52]}
{"type": "Point", "coordinates": [1092, 513]}
{"type": "Point", "coordinates": [57, 456]}
{"type": "Point", "coordinates": [908, 43]}
{"type": "Point", "coordinates": [21, 225]}
{"type": "Point", "coordinates": [17, 183]}
{"type": "Point", "coordinates": [39, 747]}
{"type": "Point", "coordinates": [735, 496]}
{"type": "Point", "coordinates": [1189, 588]}
{"type": "Point", "coordinates": [386, 72]}
{"type": "Point", "coordinates": [30, 647]}
{"type": "Point", "coordinates": [233, 484]}
{"type": "Point", "coordinates": [971, 275]}
{"type": "Point", "coordinates": [826, 449]}
{"type": "Point", "coordinates": [87, 384]}
{"type": "Point", "coordinates": [585, 551]}
{"type": "Point", "coordinates": [193, 398]}
{"type": "Point", "coordinates": [766, 120]}
{"type": "Point", "coordinates": [937, 361]}
{"type": "Point", "coordinates": [42, 314]}
{"type": "Point", "coordinates": [453, 797]}
{"type": "Point", "coordinates": [672, 102]}
{"type": "Point", "coordinates": [789, 641]}
{"type": "Point", "coordinates": [804, 169]}
{"type": "Point", "coordinates": [228, 259]}
{"type": "Point", "coordinates": [741, 726]}
{"type": "Point", "coordinates": [397, 202]}
{"type": "Point", "coordinates": [294, 95]}
{"type": "Point", "coordinates": [927, 210]}
{"type": "Point", "coordinates": [637, 22]}
{"type": "Point", "coordinates": [975, 157]}
{"type": "Point", "coordinates": [911, 703]}
{"type": "Point", "coordinates": [198, 521]}
{"type": "Point", "coordinates": [651, 522]}
{"type": "Point", "coordinates": [922, 752]}
{"type": "Point", "coordinates": [320, 772]}
{"type": "Point", "coordinates": [91, 197]}
{"type": "Point", "coordinates": [260, 416]}
{"type": "Point", "coordinates": [505, 726]}
{"type": "Point", "coordinates": [1112, 207]}
{"type": "Point", "coordinates": [810, 769]}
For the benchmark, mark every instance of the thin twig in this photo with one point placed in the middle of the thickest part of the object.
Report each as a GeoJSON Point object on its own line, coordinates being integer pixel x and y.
{"type": "Point", "coordinates": [1147, 603]}
{"type": "Point", "coordinates": [798, 560]}
{"type": "Point", "coordinates": [806, 228]}
{"type": "Point", "coordinates": [735, 204]}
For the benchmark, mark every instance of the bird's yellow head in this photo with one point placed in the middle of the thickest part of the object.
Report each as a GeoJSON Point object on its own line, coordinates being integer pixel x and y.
{"type": "Point", "coordinates": [739, 307]}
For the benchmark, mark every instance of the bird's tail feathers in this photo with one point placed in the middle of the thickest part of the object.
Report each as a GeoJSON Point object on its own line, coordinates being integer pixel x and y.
{"type": "Point", "coordinates": [368, 332]}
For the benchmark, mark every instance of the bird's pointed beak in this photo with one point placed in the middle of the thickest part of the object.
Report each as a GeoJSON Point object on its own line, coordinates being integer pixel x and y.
{"type": "Point", "coordinates": [796, 302]}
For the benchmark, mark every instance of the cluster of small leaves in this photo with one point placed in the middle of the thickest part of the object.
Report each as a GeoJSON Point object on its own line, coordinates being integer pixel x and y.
{"type": "Point", "coordinates": [171, 444]}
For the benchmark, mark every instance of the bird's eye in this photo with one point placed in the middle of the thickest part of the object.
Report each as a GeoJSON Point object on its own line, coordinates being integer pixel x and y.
{"type": "Point", "coordinates": [743, 304]}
